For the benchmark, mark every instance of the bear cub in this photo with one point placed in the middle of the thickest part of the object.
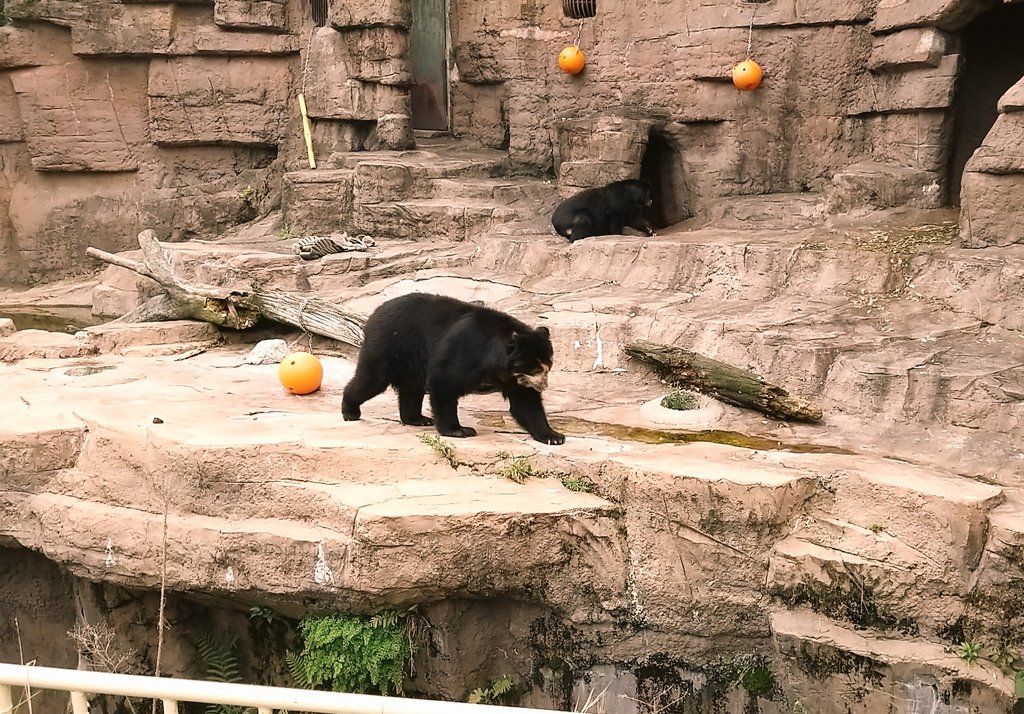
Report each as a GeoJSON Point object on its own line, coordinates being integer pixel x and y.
{"type": "Point", "coordinates": [602, 211]}
{"type": "Point", "coordinates": [422, 343]}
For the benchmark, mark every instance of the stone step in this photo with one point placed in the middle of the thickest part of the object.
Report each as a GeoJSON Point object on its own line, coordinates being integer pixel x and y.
{"type": "Point", "coordinates": [776, 211]}
{"type": "Point", "coordinates": [879, 674]}
{"type": "Point", "coordinates": [972, 378]}
{"type": "Point", "coordinates": [886, 547]}
{"type": "Point", "coordinates": [436, 219]}
{"type": "Point", "coordinates": [335, 276]}
{"type": "Point", "coordinates": [957, 277]}
{"type": "Point", "coordinates": [903, 360]}
{"type": "Point", "coordinates": [431, 159]}
{"type": "Point", "coordinates": [721, 264]}
{"type": "Point", "coordinates": [503, 190]}
{"type": "Point", "coordinates": [404, 543]}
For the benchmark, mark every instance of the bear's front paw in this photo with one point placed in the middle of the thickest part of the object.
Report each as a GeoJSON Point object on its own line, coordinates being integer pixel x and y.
{"type": "Point", "coordinates": [552, 437]}
{"type": "Point", "coordinates": [460, 433]}
{"type": "Point", "coordinates": [419, 421]}
{"type": "Point", "coordinates": [350, 414]}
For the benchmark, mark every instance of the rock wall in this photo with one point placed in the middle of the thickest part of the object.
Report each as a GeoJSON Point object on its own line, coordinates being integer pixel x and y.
{"type": "Point", "coordinates": [115, 117]}
{"type": "Point", "coordinates": [181, 116]}
{"type": "Point", "coordinates": [994, 180]}
{"type": "Point", "coordinates": [856, 99]}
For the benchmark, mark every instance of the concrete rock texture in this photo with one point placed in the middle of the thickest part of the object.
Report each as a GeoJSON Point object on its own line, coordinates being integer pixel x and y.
{"type": "Point", "coordinates": [102, 92]}
{"type": "Point", "coordinates": [849, 558]}
{"type": "Point", "coordinates": [701, 547]}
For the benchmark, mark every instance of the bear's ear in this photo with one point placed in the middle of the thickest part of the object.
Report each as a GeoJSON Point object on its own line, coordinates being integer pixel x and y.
{"type": "Point", "coordinates": [543, 331]}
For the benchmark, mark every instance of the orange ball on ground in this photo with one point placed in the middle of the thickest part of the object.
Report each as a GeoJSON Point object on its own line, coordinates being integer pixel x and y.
{"type": "Point", "coordinates": [300, 373]}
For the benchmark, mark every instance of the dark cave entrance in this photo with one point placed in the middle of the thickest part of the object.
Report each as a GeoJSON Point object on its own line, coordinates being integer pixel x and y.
{"type": "Point", "coordinates": [662, 167]}
{"type": "Point", "coordinates": [992, 48]}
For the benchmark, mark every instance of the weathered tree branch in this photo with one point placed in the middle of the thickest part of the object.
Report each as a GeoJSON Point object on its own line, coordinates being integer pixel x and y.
{"type": "Point", "coordinates": [233, 308]}
{"type": "Point", "coordinates": [723, 381]}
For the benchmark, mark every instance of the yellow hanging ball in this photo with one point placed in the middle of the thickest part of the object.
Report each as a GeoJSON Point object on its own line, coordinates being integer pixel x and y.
{"type": "Point", "coordinates": [572, 59]}
{"type": "Point", "coordinates": [300, 373]}
{"type": "Point", "coordinates": [747, 75]}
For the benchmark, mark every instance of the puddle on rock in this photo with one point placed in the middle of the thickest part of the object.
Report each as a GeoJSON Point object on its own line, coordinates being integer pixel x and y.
{"type": "Point", "coordinates": [51, 318]}
{"type": "Point", "coordinates": [585, 427]}
{"type": "Point", "coordinates": [85, 371]}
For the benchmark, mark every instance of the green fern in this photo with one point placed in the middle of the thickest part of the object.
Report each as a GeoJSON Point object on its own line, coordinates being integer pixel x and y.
{"type": "Point", "coordinates": [388, 618]}
{"type": "Point", "coordinates": [494, 693]}
{"type": "Point", "coordinates": [297, 670]}
{"type": "Point", "coordinates": [220, 659]}
{"type": "Point", "coordinates": [353, 654]}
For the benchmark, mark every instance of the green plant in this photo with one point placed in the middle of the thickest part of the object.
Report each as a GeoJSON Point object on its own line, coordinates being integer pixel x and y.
{"type": "Point", "coordinates": [285, 233]}
{"type": "Point", "coordinates": [1005, 657]}
{"type": "Point", "coordinates": [442, 448]}
{"type": "Point", "coordinates": [518, 470]}
{"type": "Point", "coordinates": [580, 485]}
{"type": "Point", "coordinates": [876, 528]}
{"type": "Point", "coordinates": [968, 651]}
{"type": "Point", "coordinates": [248, 195]}
{"type": "Point", "coordinates": [221, 662]}
{"type": "Point", "coordinates": [348, 653]}
{"type": "Point", "coordinates": [262, 615]}
{"type": "Point", "coordinates": [680, 400]}
{"type": "Point", "coordinates": [493, 693]}
{"type": "Point", "coordinates": [757, 679]}
{"type": "Point", "coordinates": [1018, 685]}
{"type": "Point", "coordinates": [754, 674]}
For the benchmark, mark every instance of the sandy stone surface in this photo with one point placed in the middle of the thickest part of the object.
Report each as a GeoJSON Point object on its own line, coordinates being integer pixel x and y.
{"type": "Point", "coordinates": [274, 495]}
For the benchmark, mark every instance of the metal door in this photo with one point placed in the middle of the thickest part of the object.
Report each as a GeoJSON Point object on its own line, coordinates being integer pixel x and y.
{"type": "Point", "coordinates": [429, 51]}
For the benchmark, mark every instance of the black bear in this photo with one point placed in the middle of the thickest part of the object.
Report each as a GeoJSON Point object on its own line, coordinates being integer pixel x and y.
{"type": "Point", "coordinates": [604, 211]}
{"type": "Point", "coordinates": [422, 343]}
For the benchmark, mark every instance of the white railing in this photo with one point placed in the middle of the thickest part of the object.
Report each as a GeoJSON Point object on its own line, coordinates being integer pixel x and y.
{"type": "Point", "coordinates": [264, 699]}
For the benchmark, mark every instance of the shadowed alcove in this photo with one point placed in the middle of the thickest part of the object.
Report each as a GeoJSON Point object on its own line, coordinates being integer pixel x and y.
{"type": "Point", "coordinates": [662, 167]}
{"type": "Point", "coordinates": [992, 46]}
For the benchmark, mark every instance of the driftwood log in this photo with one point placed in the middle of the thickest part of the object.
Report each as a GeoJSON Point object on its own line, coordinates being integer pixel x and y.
{"type": "Point", "coordinates": [233, 308]}
{"type": "Point", "coordinates": [730, 384]}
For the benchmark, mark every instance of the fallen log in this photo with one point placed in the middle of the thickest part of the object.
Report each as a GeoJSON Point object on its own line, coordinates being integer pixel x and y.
{"type": "Point", "coordinates": [723, 381]}
{"type": "Point", "coordinates": [237, 309]}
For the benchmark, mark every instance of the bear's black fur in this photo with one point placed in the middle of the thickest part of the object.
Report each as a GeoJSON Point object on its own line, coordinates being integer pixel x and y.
{"type": "Point", "coordinates": [604, 211]}
{"type": "Point", "coordinates": [423, 343]}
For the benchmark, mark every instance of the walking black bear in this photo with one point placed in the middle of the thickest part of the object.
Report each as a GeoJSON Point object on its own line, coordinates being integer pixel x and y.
{"type": "Point", "coordinates": [423, 343]}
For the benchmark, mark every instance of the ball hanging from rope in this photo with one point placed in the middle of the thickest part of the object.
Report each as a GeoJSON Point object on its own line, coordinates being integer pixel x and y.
{"type": "Point", "coordinates": [572, 60]}
{"type": "Point", "coordinates": [747, 75]}
{"type": "Point", "coordinates": [300, 373]}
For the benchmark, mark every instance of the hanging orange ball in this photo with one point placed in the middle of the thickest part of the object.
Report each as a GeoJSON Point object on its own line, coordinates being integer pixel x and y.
{"type": "Point", "coordinates": [300, 373]}
{"type": "Point", "coordinates": [747, 75]}
{"type": "Point", "coordinates": [572, 59]}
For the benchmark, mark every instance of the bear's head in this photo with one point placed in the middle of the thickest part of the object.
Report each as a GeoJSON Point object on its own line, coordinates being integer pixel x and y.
{"type": "Point", "coordinates": [644, 193]}
{"type": "Point", "coordinates": [529, 358]}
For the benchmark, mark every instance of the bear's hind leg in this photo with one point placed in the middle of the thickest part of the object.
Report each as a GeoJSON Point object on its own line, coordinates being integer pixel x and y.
{"type": "Point", "coordinates": [582, 227]}
{"type": "Point", "coordinates": [444, 404]}
{"type": "Point", "coordinates": [640, 222]}
{"type": "Point", "coordinates": [365, 385]}
{"type": "Point", "coordinates": [527, 408]}
{"type": "Point", "coordinates": [410, 405]}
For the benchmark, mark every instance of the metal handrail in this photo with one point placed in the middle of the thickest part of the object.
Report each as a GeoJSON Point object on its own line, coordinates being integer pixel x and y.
{"type": "Point", "coordinates": [265, 699]}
